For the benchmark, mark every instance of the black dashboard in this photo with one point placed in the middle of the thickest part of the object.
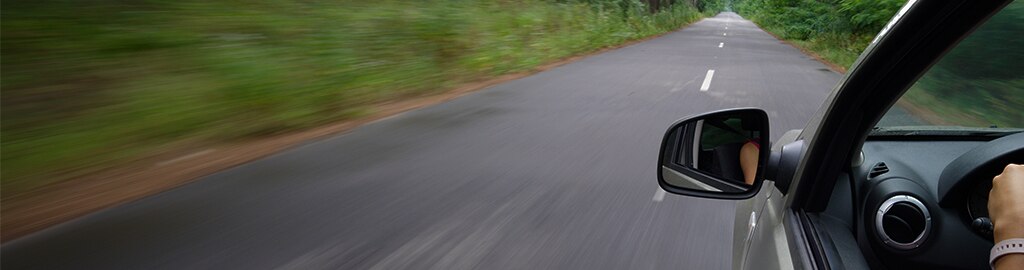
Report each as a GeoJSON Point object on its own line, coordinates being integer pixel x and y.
{"type": "Point", "coordinates": [923, 203]}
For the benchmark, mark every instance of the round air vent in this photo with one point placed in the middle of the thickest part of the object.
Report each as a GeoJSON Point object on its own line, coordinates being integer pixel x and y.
{"type": "Point", "coordinates": [903, 222]}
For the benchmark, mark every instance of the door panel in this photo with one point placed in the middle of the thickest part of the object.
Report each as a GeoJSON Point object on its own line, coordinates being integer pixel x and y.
{"type": "Point", "coordinates": [764, 241]}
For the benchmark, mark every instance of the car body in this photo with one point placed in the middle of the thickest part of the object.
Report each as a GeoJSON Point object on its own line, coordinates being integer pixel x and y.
{"type": "Point", "coordinates": [827, 196]}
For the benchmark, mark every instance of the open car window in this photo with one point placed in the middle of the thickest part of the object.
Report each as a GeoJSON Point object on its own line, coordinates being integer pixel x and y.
{"type": "Point", "coordinates": [975, 89]}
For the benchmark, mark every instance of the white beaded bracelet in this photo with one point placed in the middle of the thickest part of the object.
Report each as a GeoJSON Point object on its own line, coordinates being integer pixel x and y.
{"type": "Point", "coordinates": [1008, 246]}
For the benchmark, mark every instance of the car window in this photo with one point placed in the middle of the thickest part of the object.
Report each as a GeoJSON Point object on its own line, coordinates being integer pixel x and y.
{"type": "Point", "coordinates": [977, 86]}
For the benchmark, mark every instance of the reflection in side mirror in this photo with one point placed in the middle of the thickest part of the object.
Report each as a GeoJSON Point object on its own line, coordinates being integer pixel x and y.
{"type": "Point", "coordinates": [717, 155]}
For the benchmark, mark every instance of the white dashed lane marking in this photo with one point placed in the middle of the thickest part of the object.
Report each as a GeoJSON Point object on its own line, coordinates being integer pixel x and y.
{"type": "Point", "coordinates": [707, 80]}
{"type": "Point", "coordinates": [659, 195]}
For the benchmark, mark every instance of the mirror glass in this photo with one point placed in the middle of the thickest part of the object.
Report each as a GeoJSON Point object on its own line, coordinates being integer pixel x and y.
{"type": "Point", "coordinates": [719, 152]}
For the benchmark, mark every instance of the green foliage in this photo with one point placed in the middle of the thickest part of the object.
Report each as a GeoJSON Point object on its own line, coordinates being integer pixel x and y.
{"type": "Point", "coordinates": [868, 16]}
{"type": "Point", "coordinates": [979, 82]}
{"type": "Point", "coordinates": [90, 83]}
{"type": "Point", "coordinates": [837, 29]}
{"type": "Point", "coordinates": [993, 50]}
{"type": "Point", "coordinates": [711, 7]}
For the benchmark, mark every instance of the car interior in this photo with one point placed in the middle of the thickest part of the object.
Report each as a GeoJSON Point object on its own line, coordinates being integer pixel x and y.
{"type": "Point", "coordinates": [720, 151]}
{"type": "Point", "coordinates": [915, 195]}
{"type": "Point", "coordinates": [919, 202]}
{"type": "Point", "coordinates": [869, 184]}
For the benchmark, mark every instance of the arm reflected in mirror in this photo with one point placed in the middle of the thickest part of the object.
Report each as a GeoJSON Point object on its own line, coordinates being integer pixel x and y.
{"type": "Point", "coordinates": [731, 145]}
{"type": "Point", "coordinates": [716, 155]}
{"type": "Point", "coordinates": [748, 161]}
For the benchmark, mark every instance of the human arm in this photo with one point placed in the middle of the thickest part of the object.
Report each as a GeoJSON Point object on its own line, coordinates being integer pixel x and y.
{"type": "Point", "coordinates": [1006, 207]}
{"type": "Point", "coordinates": [748, 161]}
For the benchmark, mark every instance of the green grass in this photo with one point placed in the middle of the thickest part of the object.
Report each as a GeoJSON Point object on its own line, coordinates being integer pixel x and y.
{"type": "Point", "coordinates": [87, 85]}
{"type": "Point", "coordinates": [840, 50]}
{"type": "Point", "coordinates": [954, 100]}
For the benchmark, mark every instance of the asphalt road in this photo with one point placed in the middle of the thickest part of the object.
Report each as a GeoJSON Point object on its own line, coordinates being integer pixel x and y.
{"type": "Point", "coordinates": [551, 171]}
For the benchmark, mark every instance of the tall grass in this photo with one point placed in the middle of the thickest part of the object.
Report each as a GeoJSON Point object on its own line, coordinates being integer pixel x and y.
{"type": "Point", "coordinates": [88, 84]}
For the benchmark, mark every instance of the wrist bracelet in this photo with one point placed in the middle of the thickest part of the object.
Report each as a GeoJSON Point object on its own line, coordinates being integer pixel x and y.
{"type": "Point", "coordinates": [1008, 246]}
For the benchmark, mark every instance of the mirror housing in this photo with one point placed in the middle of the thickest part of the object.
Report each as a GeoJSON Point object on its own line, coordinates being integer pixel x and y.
{"type": "Point", "coordinates": [720, 155]}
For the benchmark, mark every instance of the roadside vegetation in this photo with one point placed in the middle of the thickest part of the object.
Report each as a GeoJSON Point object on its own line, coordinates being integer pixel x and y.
{"type": "Point", "coordinates": [837, 30]}
{"type": "Point", "coordinates": [979, 83]}
{"type": "Point", "coordinates": [90, 84]}
{"type": "Point", "coordinates": [976, 85]}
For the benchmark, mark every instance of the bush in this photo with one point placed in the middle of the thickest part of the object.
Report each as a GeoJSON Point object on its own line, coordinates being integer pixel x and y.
{"type": "Point", "coordinates": [838, 29]}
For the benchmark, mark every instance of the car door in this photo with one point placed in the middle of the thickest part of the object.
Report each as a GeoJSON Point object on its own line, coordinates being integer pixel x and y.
{"type": "Point", "coordinates": [782, 219]}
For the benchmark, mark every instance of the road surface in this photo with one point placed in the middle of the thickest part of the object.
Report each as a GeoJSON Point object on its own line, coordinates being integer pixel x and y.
{"type": "Point", "coordinates": [551, 171]}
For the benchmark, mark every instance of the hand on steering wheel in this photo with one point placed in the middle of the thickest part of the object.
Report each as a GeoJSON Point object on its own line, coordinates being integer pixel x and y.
{"type": "Point", "coordinates": [1006, 207]}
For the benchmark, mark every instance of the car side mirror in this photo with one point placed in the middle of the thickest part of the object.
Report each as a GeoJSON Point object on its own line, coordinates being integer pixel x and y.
{"type": "Point", "coordinates": [718, 155]}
